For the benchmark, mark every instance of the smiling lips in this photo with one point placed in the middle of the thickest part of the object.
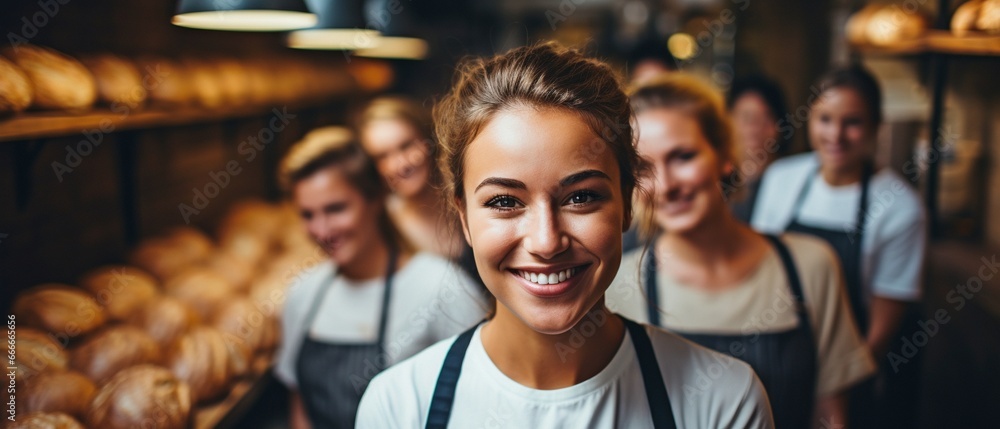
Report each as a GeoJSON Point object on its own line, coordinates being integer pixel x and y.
{"type": "Point", "coordinates": [548, 284]}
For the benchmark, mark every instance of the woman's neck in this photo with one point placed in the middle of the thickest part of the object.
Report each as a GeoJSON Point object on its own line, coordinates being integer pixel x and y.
{"type": "Point", "coordinates": [842, 176]}
{"type": "Point", "coordinates": [371, 261]}
{"type": "Point", "coordinates": [717, 254]}
{"type": "Point", "coordinates": [547, 362]}
{"type": "Point", "coordinates": [422, 202]}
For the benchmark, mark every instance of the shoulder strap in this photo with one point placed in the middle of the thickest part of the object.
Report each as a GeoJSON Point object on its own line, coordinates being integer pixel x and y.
{"type": "Point", "coordinates": [794, 281]}
{"type": "Point", "coordinates": [444, 391]}
{"type": "Point", "coordinates": [656, 391]}
{"type": "Point", "coordinates": [652, 294]}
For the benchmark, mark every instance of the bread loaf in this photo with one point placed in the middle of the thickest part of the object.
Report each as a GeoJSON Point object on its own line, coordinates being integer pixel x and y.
{"type": "Point", "coordinates": [202, 289]}
{"type": "Point", "coordinates": [60, 391]}
{"type": "Point", "coordinates": [201, 359]}
{"type": "Point", "coordinates": [58, 81]}
{"type": "Point", "coordinates": [119, 81]}
{"type": "Point", "coordinates": [141, 396]}
{"type": "Point", "coordinates": [45, 421]}
{"type": "Point", "coordinates": [105, 353]}
{"type": "Point", "coordinates": [59, 309]}
{"type": "Point", "coordinates": [120, 290]}
{"type": "Point", "coordinates": [37, 352]}
{"type": "Point", "coordinates": [165, 319]}
{"type": "Point", "coordinates": [15, 88]}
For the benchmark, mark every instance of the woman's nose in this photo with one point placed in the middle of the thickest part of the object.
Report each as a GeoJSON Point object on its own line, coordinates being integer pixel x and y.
{"type": "Point", "coordinates": [545, 237]}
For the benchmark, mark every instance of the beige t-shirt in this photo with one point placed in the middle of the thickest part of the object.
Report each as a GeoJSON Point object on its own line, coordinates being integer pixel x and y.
{"type": "Point", "coordinates": [762, 303]}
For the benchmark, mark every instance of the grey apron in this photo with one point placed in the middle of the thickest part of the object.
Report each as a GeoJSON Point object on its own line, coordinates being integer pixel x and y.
{"type": "Point", "coordinates": [333, 376]}
{"type": "Point", "coordinates": [784, 361]}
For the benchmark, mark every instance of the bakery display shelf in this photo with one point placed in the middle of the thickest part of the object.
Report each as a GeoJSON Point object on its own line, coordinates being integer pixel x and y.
{"type": "Point", "coordinates": [42, 125]}
{"type": "Point", "coordinates": [228, 411]}
{"type": "Point", "coordinates": [938, 42]}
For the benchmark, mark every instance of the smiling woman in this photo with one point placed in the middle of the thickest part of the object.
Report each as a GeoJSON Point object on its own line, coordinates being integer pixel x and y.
{"type": "Point", "coordinates": [539, 164]}
{"type": "Point", "coordinates": [374, 302]}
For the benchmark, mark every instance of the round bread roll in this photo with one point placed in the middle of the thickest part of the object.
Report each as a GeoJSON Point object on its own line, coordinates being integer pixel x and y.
{"type": "Point", "coordinates": [234, 82]}
{"type": "Point", "coordinates": [141, 396]}
{"type": "Point", "coordinates": [191, 241]}
{"type": "Point", "coordinates": [892, 24]}
{"type": "Point", "coordinates": [236, 270]}
{"type": "Point", "coordinates": [58, 81]}
{"type": "Point", "coordinates": [206, 83]}
{"type": "Point", "coordinates": [857, 25]}
{"type": "Point", "coordinates": [37, 352]}
{"type": "Point", "coordinates": [989, 17]}
{"type": "Point", "coordinates": [119, 81]}
{"type": "Point", "coordinates": [201, 288]}
{"type": "Point", "coordinates": [243, 321]}
{"type": "Point", "coordinates": [60, 391]}
{"type": "Point", "coordinates": [172, 253]}
{"type": "Point", "coordinates": [165, 319]}
{"type": "Point", "coordinates": [59, 309]}
{"type": "Point", "coordinates": [964, 19]}
{"type": "Point", "coordinates": [201, 359]}
{"type": "Point", "coordinates": [45, 421]}
{"type": "Point", "coordinates": [107, 352]}
{"type": "Point", "coordinates": [252, 217]}
{"type": "Point", "coordinates": [169, 83]}
{"type": "Point", "coordinates": [15, 88]}
{"type": "Point", "coordinates": [121, 290]}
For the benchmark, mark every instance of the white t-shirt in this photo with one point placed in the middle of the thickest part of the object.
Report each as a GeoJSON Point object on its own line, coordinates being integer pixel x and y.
{"type": "Point", "coordinates": [706, 390]}
{"type": "Point", "coordinates": [431, 299]}
{"type": "Point", "coordinates": [761, 303]}
{"type": "Point", "coordinates": [895, 235]}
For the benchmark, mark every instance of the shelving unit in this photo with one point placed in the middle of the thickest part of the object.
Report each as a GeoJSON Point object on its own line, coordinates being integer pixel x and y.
{"type": "Point", "coordinates": [940, 45]}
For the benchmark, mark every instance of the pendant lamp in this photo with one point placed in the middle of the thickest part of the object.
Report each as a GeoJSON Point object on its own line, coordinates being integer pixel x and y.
{"type": "Point", "coordinates": [244, 15]}
{"type": "Point", "coordinates": [340, 25]}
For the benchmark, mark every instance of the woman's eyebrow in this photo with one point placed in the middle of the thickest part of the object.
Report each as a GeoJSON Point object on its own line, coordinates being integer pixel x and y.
{"type": "Point", "coordinates": [581, 176]}
{"type": "Point", "coordinates": [500, 181]}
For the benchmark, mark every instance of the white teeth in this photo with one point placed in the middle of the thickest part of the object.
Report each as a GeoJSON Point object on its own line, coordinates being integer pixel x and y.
{"type": "Point", "coordinates": [548, 279]}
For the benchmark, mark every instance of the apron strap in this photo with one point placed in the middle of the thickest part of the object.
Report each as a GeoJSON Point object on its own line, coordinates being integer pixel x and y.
{"type": "Point", "coordinates": [652, 294]}
{"type": "Point", "coordinates": [656, 391]}
{"type": "Point", "coordinates": [794, 281]}
{"type": "Point", "coordinates": [444, 391]}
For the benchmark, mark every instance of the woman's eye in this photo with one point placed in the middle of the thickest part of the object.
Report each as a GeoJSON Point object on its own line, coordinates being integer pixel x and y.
{"type": "Point", "coordinates": [686, 156]}
{"type": "Point", "coordinates": [502, 202]}
{"type": "Point", "coordinates": [583, 198]}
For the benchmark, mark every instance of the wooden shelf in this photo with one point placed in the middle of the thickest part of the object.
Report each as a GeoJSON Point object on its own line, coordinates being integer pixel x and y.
{"type": "Point", "coordinates": [38, 125]}
{"type": "Point", "coordinates": [939, 42]}
{"type": "Point", "coordinates": [230, 409]}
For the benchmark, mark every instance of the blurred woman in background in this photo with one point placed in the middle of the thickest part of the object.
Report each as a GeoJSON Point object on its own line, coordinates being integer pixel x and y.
{"type": "Point", "coordinates": [397, 133]}
{"type": "Point", "coordinates": [374, 302]}
{"type": "Point", "coordinates": [757, 106]}
{"type": "Point", "coordinates": [777, 303]}
{"type": "Point", "coordinates": [871, 216]}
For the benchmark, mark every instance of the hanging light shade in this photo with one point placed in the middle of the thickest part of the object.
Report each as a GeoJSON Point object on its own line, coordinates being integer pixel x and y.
{"type": "Point", "coordinates": [244, 15]}
{"type": "Point", "coordinates": [395, 21]}
{"type": "Point", "coordinates": [340, 25]}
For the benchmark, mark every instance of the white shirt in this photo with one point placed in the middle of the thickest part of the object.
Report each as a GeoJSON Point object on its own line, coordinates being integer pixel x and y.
{"type": "Point", "coordinates": [895, 235]}
{"type": "Point", "coordinates": [431, 299]}
{"type": "Point", "coordinates": [706, 390]}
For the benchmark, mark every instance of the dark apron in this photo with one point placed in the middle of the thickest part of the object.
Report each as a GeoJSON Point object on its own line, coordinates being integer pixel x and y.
{"type": "Point", "coordinates": [847, 244]}
{"type": "Point", "coordinates": [784, 361]}
{"type": "Point", "coordinates": [333, 376]}
{"type": "Point", "coordinates": [652, 379]}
